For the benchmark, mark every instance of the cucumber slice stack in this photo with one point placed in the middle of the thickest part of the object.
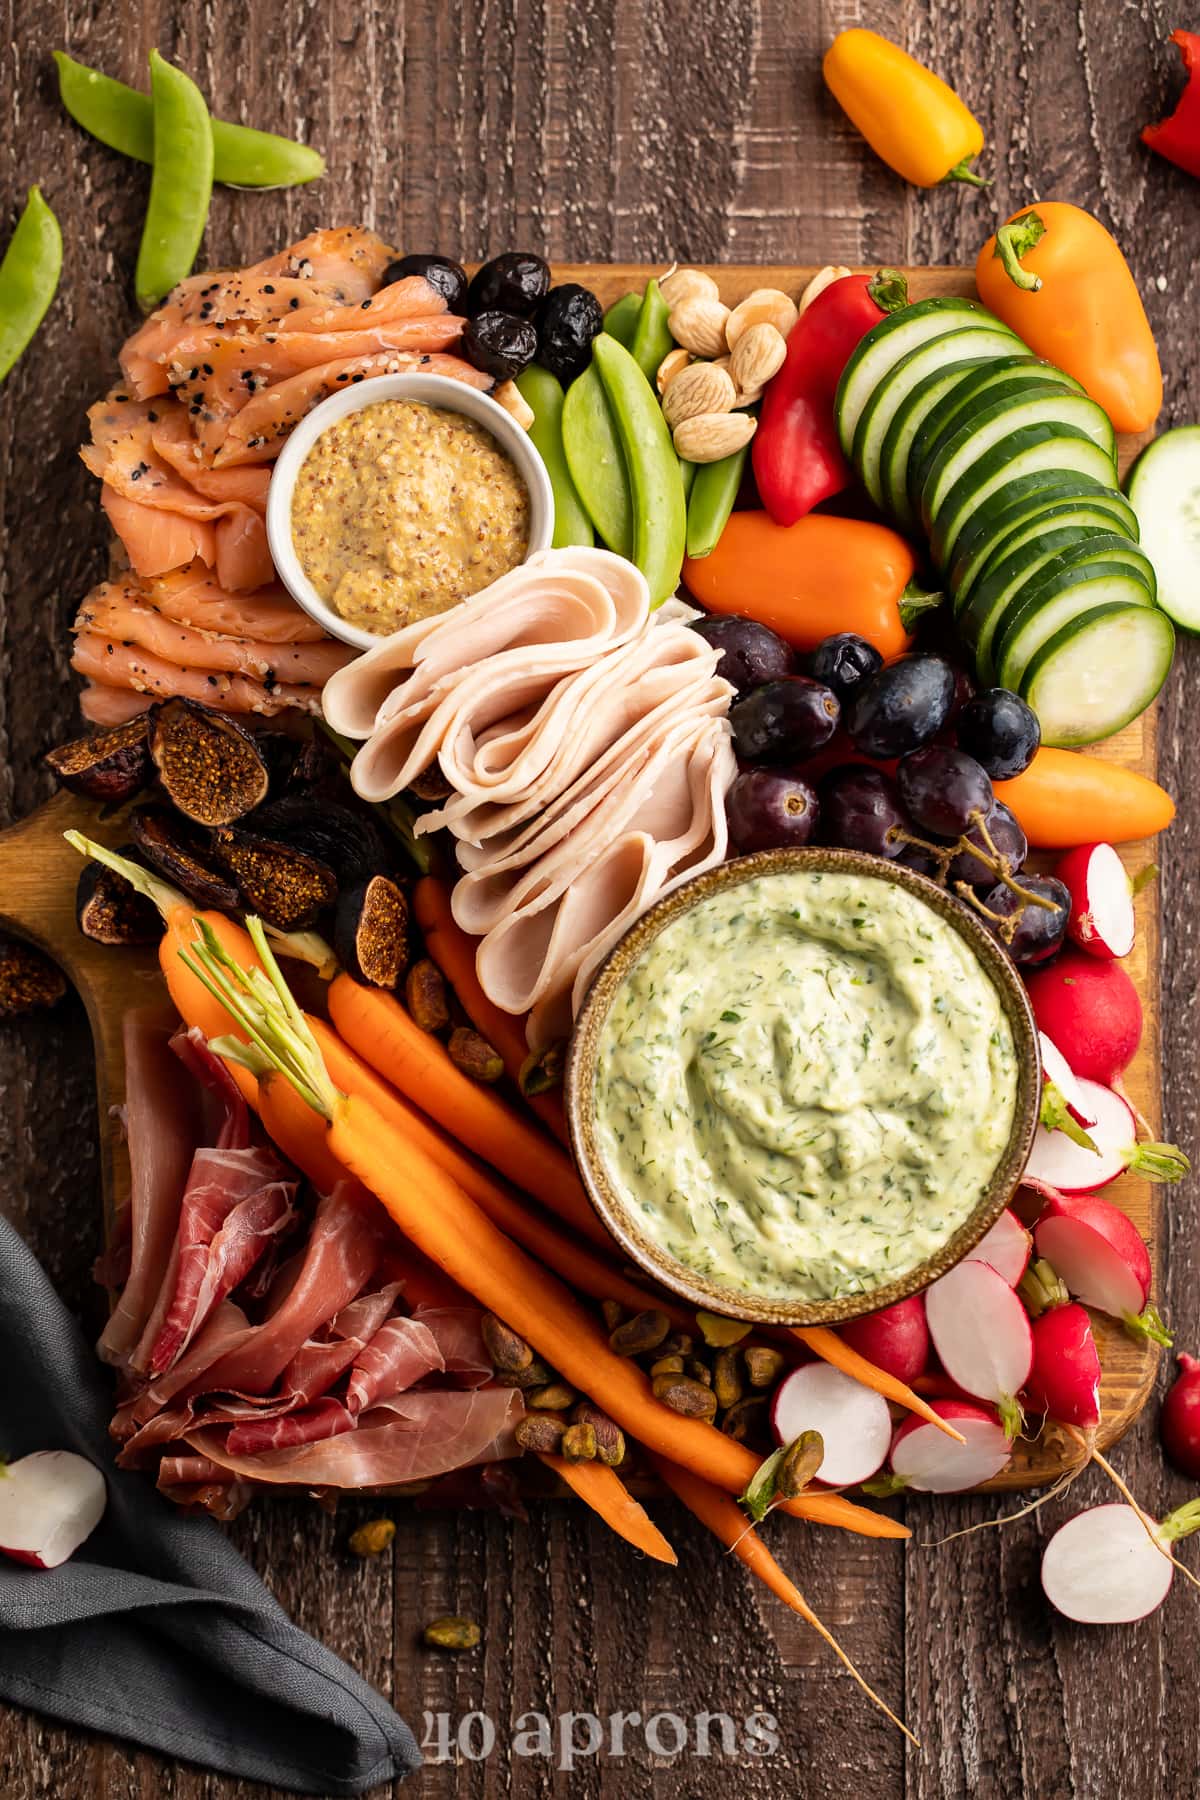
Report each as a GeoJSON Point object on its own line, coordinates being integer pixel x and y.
{"type": "Point", "coordinates": [1008, 467]}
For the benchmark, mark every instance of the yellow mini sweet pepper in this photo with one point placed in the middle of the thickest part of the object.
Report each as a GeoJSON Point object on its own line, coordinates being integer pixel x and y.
{"type": "Point", "coordinates": [907, 114]}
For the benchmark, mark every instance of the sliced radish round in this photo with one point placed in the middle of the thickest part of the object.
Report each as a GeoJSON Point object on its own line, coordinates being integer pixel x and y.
{"type": "Point", "coordinates": [1098, 1251]}
{"type": "Point", "coordinates": [1064, 1382]}
{"type": "Point", "coordinates": [924, 1458]}
{"type": "Point", "coordinates": [49, 1503]}
{"type": "Point", "coordinates": [1006, 1248]}
{"type": "Point", "coordinates": [895, 1339]}
{"type": "Point", "coordinates": [853, 1421]}
{"type": "Point", "coordinates": [1056, 1069]}
{"type": "Point", "coordinates": [1102, 921]}
{"type": "Point", "coordinates": [1103, 1568]}
{"type": "Point", "coordinates": [1072, 1169]}
{"type": "Point", "coordinates": [981, 1333]}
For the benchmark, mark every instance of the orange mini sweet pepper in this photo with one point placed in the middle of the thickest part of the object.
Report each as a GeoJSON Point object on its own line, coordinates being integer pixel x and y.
{"type": "Point", "coordinates": [1058, 278]}
{"type": "Point", "coordinates": [910, 118]}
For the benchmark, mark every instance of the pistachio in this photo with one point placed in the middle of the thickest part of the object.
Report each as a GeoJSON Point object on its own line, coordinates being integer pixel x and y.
{"type": "Point", "coordinates": [425, 996]}
{"type": "Point", "coordinates": [452, 1633]}
{"type": "Point", "coordinates": [747, 1420]}
{"type": "Point", "coordinates": [508, 395]}
{"type": "Point", "coordinates": [702, 388]}
{"type": "Point", "coordinates": [727, 1377]}
{"type": "Point", "coordinates": [821, 280]}
{"type": "Point", "coordinates": [698, 323]}
{"type": "Point", "coordinates": [672, 364]}
{"type": "Point", "coordinates": [610, 1439]}
{"type": "Point", "coordinates": [474, 1055]}
{"type": "Point", "coordinates": [645, 1331]}
{"type": "Point", "coordinates": [765, 306]}
{"type": "Point", "coordinates": [682, 1395]}
{"type": "Point", "coordinates": [800, 1465]}
{"type": "Point", "coordinates": [711, 436]}
{"type": "Point", "coordinates": [508, 1352]}
{"type": "Point", "coordinates": [764, 1365]}
{"type": "Point", "coordinates": [687, 284]}
{"type": "Point", "coordinates": [719, 1331]}
{"type": "Point", "coordinates": [667, 1365]}
{"type": "Point", "coordinates": [613, 1312]}
{"type": "Point", "coordinates": [699, 1371]}
{"type": "Point", "coordinates": [541, 1431]}
{"type": "Point", "coordinates": [542, 1070]}
{"type": "Point", "coordinates": [535, 1376]}
{"type": "Point", "coordinates": [556, 1396]}
{"type": "Point", "coordinates": [431, 784]}
{"type": "Point", "coordinates": [680, 1343]}
{"type": "Point", "coordinates": [757, 355]}
{"type": "Point", "coordinates": [373, 1537]}
{"type": "Point", "coordinates": [579, 1443]}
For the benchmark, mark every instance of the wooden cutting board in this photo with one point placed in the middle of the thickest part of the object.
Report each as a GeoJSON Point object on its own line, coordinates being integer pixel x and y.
{"type": "Point", "coordinates": [38, 875]}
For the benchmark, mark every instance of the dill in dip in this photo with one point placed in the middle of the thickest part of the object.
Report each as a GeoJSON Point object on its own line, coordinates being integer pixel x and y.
{"type": "Point", "coordinates": [805, 1084]}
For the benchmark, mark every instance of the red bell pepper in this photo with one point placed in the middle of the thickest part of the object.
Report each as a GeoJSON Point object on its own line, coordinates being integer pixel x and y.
{"type": "Point", "coordinates": [796, 455]}
{"type": "Point", "coordinates": [1178, 138]}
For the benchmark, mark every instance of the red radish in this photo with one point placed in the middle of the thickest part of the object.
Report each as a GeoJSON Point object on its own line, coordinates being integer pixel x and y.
{"type": "Point", "coordinates": [853, 1421]}
{"type": "Point", "coordinates": [917, 1461]}
{"type": "Point", "coordinates": [1104, 1567]}
{"type": "Point", "coordinates": [1058, 1162]}
{"type": "Point", "coordinates": [1061, 1089]}
{"type": "Point", "coordinates": [1091, 1010]}
{"type": "Point", "coordinates": [1005, 1248]}
{"type": "Point", "coordinates": [1064, 1382]}
{"type": "Point", "coordinates": [1179, 1421]}
{"type": "Point", "coordinates": [1101, 900]}
{"type": "Point", "coordinates": [1099, 1253]}
{"type": "Point", "coordinates": [49, 1503]}
{"type": "Point", "coordinates": [981, 1333]}
{"type": "Point", "coordinates": [895, 1339]}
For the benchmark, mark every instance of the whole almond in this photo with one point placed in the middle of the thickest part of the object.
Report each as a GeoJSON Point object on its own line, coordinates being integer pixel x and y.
{"type": "Point", "coordinates": [698, 323]}
{"type": "Point", "coordinates": [758, 355]}
{"type": "Point", "coordinates": [687, 284]}
{"type": "Point", "coordinates": [710, 436]}
{"type": "Point", "coordinates": [672, 364]}
{"type": "Point", "coordinates": [700, 389]}
{"type": "Point", "coordinates": [508, 395]}
{"type": "Point", "coordinates": [821, 280]}
{"type": "Point", "coordinates": [765, 306]}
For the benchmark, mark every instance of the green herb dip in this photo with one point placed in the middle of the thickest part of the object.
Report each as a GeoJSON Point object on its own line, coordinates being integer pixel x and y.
{"type": "Point", "coordinates": [805, 1084]}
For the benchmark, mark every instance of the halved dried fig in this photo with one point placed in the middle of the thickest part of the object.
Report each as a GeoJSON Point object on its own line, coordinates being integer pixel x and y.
{"type": "Point", "coordinates": [28, 980]}
{"type": "Point", "coordinates": [110, 766]}
{"type": "Point", "coordinates": [334, 834]}
{"type": "Point", "coordinates": [286, 887]}
{"type": "Point", "coordinates": [178, 851]}
{"type": "Point", "coordinates": [109, 909]}
{"type": "Point", "coordinates": [370, 932]}
{"type": "Point", "coordinates": [210, 766]}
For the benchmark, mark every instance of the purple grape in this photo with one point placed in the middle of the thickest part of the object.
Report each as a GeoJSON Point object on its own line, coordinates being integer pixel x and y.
{"type": "Point", "coordinates": [922, 859]}
{"type": "Point", "coordinates": [901, 706]}
{"type": "Point", "coordinates": [784, 721]}
{"type": "Point", "coordinates": [843, 662]}
{"type": "Point", "coordinates": [859, 806]}
{"type": "Point", "coordinates": [942, 789]}
{"type": "Point", "coordinates": [768, 809]}
{"type": "Point", "coordinates": [1009, 839]}
{"type": "Point", "coordinates": [750, 653]}
{"type": "Point", "coordinates": [1000, 731]}
{"type": "Point", "coordinates": [1040, 930]}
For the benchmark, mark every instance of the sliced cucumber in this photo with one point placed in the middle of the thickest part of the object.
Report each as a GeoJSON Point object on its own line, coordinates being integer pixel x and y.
{"type": "Point", "coordinates": [991, 616]}
{"type": "Point", "coordinates": [1007, 574]}
{"type": "Point", "coordinates": [990, 427]}
{"type": "Point", "coordinates": [884, 345]}
{"type": "Point", "coordinates": [896, 448]}
{"type": "Point", "coordinates": [1164, 486]}
{"type": "Point", "coordinates": [938, 362]}
{"type": "Point", "coordinates": [1098, 672]}
{"type": "Point", "coordinates": [1061, 448]}
{"type": "Point", "coordinates": [1006, 379]}
{"type": "Point", "coordinates": [1060, 515]}
{"type": "Point", "coordinates": [1020, 502]}
{"type": "Point", "coordinates": [1081, 583]}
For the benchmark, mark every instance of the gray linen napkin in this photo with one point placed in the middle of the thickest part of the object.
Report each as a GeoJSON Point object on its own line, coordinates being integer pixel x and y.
{"type": "Point", "coordinates": [157, 1630]}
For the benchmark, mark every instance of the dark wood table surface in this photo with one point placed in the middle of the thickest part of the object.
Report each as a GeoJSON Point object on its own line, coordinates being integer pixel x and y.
{"type": "Point", "coordinates": [616, 129]}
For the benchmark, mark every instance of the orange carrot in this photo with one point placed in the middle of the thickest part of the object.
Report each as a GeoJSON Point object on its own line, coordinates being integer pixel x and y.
{"type": "Point", "coordinates": [725, 1520]}
{"type": "Point", "coordinates": [611, 1501]}
{"type": "Point", "coordinates": [375, 1025]}
{"type": "Point", "coordinates": [833, 1349]}
{"type": "Point", "coordinates": [1065, 798]}
{"type": "Point", "coordinates": [443, 1222]}
{"type": "Point", "coordinates": [296, 1129]}
{"type": "Point", "coordinates": [578, 1265]}
{"type": "Point", "coordinates": [453, 950]}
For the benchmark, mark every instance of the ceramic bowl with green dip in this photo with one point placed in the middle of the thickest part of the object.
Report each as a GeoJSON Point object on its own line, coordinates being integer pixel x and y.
{"type": "Point", "coordinates": [803, 1086]}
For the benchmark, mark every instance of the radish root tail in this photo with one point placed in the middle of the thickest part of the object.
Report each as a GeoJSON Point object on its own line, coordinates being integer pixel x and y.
{"type": "Point", "coordinates": [1052, 1493]}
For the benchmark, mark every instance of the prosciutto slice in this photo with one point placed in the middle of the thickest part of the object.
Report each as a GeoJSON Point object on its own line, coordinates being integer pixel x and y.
{"type": "Point", "coordinates": [307, 1425]}
{"type": "Point", "coordinates": [400, 1353]}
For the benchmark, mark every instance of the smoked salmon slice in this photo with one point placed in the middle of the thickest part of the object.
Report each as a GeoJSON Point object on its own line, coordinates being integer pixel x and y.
{"type": "Point", "coordinates": [119, 612]}
{"type": "Point", "coordinates": [192, 597]}
{"type": "Point", "coordinates": [112, 664]}
{"type": "Point", "coordinates": [110, 705]}
{"type": "Point", "coordinates": [154, 540]}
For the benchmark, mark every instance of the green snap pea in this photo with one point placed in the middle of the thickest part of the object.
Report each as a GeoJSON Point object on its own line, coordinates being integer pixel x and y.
{"type": "Point", "coordinates": [181, 185]}
{"type": "Point", "coordinates": [652, 340]}
{"type": "Point", "coordinates": [123, 119]}
{"type": "Point", "coordinates": [656, 486]}
{"type": "Point", "coordinates": [28, 277]}
{"type": "Point", "coordinates": [714, 492]}
{"type": "Point", "coordinates": [621, 319]}
{"type": "Point", "coordinates": [687, 472]}
{"type": "Point", "coordinates": [596, 461]}
{"type": "Point", "coordinates": [543, 392]}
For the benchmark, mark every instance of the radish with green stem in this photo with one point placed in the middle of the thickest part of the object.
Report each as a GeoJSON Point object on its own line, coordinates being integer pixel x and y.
{"type": "Point", "coordinates": [926, 1460]}
{"type": "Point", "coordinates": [853, 1421]}
{"type": "Point", "coordinates": [1064, 1382]}
{"type": "Point", "coordinates": [1006, 1247]}
{"type": "Point", "coordinates": [1101, 921]}
{"type": "Point", "coordinates": [895, 1339]}
{"type": "Point", "coordinates": [982, 1337]}
{"type": "Point", "coordinates": [1056, 1161]}
{"type": "Point", "coordinates": [1179, 1422]}
{"type": "Point", "coordinates": [50, 1503]}
{"type": "Point", "coordinates": [1113, 1564]}
{"type": "Point", "coordinates": [1064, 1105]}
{"type": "Point", "coordinates": [1099, 1253]}
{"type": "Point", "coordinates": [1091, 1010]}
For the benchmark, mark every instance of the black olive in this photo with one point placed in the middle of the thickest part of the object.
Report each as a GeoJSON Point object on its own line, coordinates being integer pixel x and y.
{"type": "Point", "coordinates": [513, 283]}
{"type": "Point", "coordinates": [441, 272]}
{"type": "Point", "coordinates": [499, 344]}
{"type": "Point", "coordinates": [568, 319]}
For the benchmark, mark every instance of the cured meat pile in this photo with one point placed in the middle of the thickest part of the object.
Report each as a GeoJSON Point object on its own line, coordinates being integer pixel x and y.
{"type": "Point", "coordinates": [262, 1334]}
{"type": "Point", "coordinates": [587, 746]}
{"type": "Point", "coordinates": [211, 386]}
